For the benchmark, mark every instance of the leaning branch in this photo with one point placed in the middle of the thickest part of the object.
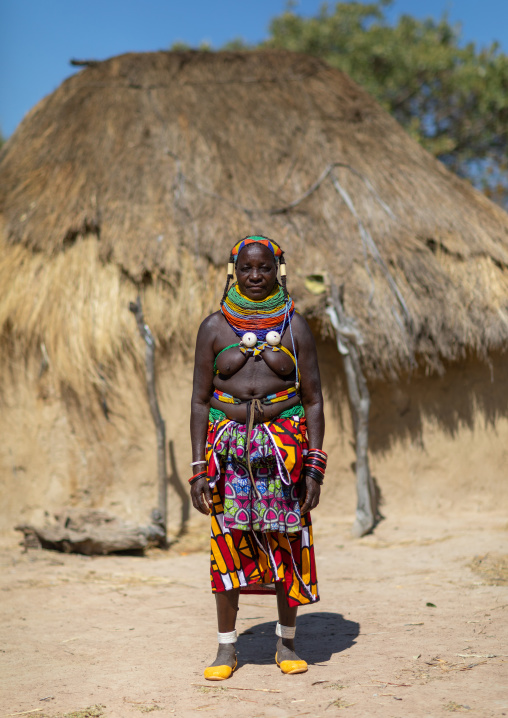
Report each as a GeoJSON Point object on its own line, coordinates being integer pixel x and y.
{"type": "Point", "coordinates": [348, 343]}
{"type": "Point", "coordinates": [160, 426]}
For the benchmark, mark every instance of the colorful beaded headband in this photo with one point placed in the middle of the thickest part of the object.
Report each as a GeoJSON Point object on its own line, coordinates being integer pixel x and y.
{"type": "Point", "coordinates": [274, 248]}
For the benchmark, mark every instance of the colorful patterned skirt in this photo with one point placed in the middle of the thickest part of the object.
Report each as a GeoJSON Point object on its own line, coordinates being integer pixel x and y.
{"type": "Point", "coordinates": [258, 537]}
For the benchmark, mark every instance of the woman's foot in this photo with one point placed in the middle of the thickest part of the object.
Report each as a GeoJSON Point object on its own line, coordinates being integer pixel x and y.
{"type": "Point", "coordinates": [224, 664]}
{"type": "Point", "coordinates": [286, 658]}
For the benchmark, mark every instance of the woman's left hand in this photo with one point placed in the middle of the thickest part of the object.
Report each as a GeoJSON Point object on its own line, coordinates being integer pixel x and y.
{"type": "Point", "coordinates": [310, 494]}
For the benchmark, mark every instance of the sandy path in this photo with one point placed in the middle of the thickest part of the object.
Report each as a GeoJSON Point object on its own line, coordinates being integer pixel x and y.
{"type": "Point", "coordinates": [133, 634]}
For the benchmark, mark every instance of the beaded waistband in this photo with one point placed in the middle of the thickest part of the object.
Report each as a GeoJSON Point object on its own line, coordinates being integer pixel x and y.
{"type": "Point", "coordinates": [270, 399]}
{"type": "Point", "coordinates": [295, 411]}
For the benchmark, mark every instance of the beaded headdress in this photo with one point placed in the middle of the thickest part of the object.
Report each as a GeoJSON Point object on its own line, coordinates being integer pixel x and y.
{"type": "Point", "coordinates": [258, 239]}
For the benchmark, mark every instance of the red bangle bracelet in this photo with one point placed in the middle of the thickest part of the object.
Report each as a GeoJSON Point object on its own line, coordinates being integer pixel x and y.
{"type": "Point", "coordinates": [319, 452]}
{"type": "Point", "coordinates": [313, 470]}
{"type": "Point", "coordinates": [321, 469]}
{"type": "Point", "coordinates": [321, 459]}
{"type": "Point", "coordinates": [315, 461]}
{"type": "Point", "coordinates": [199, 475]}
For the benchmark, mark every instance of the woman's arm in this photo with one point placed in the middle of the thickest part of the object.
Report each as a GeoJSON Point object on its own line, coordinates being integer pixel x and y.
{"type": "Point", "coordinates": [312, 400]}
{"type": "Point", "coordinates": [202, 390]}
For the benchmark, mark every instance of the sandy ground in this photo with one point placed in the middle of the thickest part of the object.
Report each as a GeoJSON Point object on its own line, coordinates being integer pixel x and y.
{"type": "Point", "coordinates": [405, 627]}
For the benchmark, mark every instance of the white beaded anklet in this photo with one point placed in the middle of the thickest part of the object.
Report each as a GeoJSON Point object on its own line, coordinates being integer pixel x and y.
{"type": "Point", "coordinates": [285, 631]}
{"type": "Point", "coordinates": [227, 637]}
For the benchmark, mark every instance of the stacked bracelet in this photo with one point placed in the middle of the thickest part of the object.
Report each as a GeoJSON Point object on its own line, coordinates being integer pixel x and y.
{"type": "Point", "coordinates": [315, 465]}
{"type": "Point", "coordinates": [196, 477]}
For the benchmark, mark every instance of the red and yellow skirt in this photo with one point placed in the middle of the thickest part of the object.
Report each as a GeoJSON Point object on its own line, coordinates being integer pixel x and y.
{"type": "Point", "coordinates": [254, 561]}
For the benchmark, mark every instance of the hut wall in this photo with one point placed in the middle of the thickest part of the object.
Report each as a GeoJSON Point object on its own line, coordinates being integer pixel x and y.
{"type": "Point", "coordinates": [438, 444]}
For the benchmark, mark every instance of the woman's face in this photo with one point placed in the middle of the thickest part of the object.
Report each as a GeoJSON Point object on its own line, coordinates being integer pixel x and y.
{"type": "Point", "coordinates": [256, 271]}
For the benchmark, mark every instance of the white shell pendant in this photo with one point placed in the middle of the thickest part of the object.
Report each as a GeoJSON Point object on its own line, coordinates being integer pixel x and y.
{"type": "Point", "coordinates": [273, 338]}
{"type": "Point", "coordinates": [249, 339]}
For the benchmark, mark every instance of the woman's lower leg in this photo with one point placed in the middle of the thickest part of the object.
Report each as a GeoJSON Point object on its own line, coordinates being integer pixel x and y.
{"type": "Point", "coordinates": [227, 609]}
{"type": "Point", "coordinates": [287, 617]}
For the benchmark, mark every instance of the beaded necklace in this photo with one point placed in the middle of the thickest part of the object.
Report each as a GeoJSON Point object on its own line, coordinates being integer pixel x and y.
{"type": "Point", "coordinates": [246, 315]}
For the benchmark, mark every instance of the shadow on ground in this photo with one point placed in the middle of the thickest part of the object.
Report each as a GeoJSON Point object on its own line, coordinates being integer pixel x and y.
{"type": "Point", "coordinates": [319, 636]}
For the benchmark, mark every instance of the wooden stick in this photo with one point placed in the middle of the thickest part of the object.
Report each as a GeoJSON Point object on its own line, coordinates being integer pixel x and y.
{"type": "Point", "coordinates": [160, 426]}
{"type": "Point", "coordinates": [359, 401]}
{"type": "Point", "coordinates": [183, 493]}
{"type": "Point", "coordinates": [227, 688]}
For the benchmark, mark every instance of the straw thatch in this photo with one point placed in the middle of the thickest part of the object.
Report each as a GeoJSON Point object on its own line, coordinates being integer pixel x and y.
{"type": "Point", "coordinates": [140, 172]}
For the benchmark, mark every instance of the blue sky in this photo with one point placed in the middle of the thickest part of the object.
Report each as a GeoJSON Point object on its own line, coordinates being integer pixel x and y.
{"type": "Point", "coordinates": [37, 39]}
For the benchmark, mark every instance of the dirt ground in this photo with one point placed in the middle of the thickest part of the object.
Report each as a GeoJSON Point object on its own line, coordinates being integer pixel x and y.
{"type": "Point", "coordinates": [412, 622]}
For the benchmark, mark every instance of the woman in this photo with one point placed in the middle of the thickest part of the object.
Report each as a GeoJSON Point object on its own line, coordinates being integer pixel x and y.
{"type": "Point", "coordinates": [257, 429]}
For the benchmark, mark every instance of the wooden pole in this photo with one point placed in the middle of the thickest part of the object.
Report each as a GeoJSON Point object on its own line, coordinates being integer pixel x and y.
{"type": "Point", "coordinates": [348, 341]}
{"type": "Point", "coordinates": [180, 489]}
{"type": "Point", "coordinates": [160, 426]}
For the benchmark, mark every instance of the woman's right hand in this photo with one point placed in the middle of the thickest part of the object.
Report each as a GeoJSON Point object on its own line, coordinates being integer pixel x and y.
{"type": "Point", "coordinates": [202, 496]}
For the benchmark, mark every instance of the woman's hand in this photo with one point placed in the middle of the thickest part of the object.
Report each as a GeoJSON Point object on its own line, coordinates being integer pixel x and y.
{"type": "Point", "coordinates": [310, 494]}
{"type": "Point", "coordinates": [201, 496]}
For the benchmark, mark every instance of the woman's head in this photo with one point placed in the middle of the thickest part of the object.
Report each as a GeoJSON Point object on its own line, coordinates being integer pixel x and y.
{"type": "Point", "coordinates": [256, 259]}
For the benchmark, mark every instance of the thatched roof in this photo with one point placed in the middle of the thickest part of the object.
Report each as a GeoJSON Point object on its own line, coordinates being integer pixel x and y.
{"type": "Point", "coordinates": [146, 168]}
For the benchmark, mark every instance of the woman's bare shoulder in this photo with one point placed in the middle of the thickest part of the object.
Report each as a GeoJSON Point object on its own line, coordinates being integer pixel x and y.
{"type": "Point", "coordinates": [211, 325]}
{"type": "Point", "coordinates": [300, 325]}
{"type": "Point", "coordinates": [214, 322]}
{"type": "Point", "coordinates": [302, 333]}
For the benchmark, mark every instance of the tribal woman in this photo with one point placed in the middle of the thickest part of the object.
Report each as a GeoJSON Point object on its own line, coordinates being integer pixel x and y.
{"type": "Point", "coordinates": [257, 429]}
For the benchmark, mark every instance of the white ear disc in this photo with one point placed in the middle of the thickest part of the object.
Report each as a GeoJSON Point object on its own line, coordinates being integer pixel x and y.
{"type": "Point", "coordinates": [249, 339]}
{"type": "Point", "coordinates": [273, 338]}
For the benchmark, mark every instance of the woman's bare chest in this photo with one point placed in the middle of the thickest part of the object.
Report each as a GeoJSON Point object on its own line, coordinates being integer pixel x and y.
{"type": "Point", "coordinates": [259, 361]}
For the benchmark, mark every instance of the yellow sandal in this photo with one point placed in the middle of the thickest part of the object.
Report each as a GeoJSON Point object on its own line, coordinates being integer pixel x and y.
{"type": "Point", "coordinates": [290, 667]}
{"type": "Point", "coordinates": [219, 673]}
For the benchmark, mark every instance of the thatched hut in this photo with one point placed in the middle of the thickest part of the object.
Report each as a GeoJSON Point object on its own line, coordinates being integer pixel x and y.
{"type": "Point", "coordinates": [136, 176]}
